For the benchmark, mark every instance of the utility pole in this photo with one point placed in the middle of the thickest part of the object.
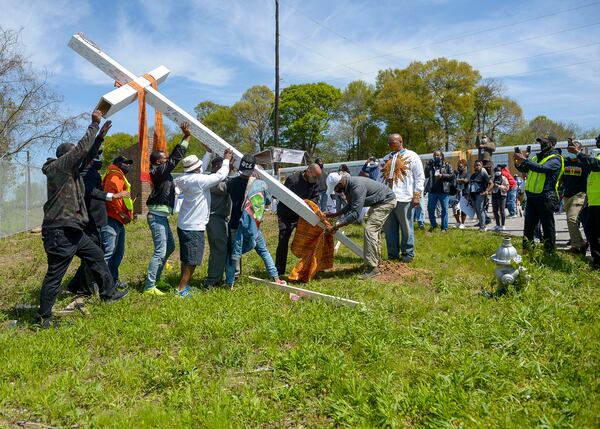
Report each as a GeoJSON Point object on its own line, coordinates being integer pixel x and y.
{"type": "Point", "coordinates": [276, 107]}
{"type": "Point", "coordinates": [27, 191]}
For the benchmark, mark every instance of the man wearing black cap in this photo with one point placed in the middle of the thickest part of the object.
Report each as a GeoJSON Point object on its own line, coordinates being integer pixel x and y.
{"type": "Point", "coordinates": [544, 171]}
{"type": "Point", "coordinates": [592, 165]}
{"type": "Point", "coordinates": [240, 189]}
{"type": "Point", "coordinates": [120, 212]}
{"type": "Point", "coordinates": [65, 217]}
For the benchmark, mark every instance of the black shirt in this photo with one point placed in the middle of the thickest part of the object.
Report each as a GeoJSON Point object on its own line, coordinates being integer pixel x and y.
{"type": "Point", "coordinates": [236, 187]}
{"type": "Point", "coordinates": [299, 186]}
{"type": "Point", "coordinates": [574, 178]}
{"type": "Point", "coordinates": [478, 182]}
{"type": "Point", "coordinates": [95, 199]}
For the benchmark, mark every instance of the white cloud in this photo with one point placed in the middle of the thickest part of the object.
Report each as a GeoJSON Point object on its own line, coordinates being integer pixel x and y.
{"type": "Point", "coordinates": [40, 24]}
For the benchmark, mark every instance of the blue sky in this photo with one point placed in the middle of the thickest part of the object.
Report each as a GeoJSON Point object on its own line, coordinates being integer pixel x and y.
{"type": "Point", "coordinates": [217, 49]}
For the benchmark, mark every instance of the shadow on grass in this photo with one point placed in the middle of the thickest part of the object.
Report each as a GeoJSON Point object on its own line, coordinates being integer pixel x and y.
{"type": "Point", "coordinates": [555, 261]}
{"type": "Point", "coordinates": [339, 274]}
{"type": "Point", "coordinates": [348, 259]}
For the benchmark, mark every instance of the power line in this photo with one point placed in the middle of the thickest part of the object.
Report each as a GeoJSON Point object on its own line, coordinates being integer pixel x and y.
{"type": "Point", "coordinates": [539, 55]}
{"type": "Point", "coordinates": [369, 73]}
{"type": "Point", "coordinates": [453, 38]}
{"type": "Point", "coordinates": [331, 30]}
{"type": "Point", "coordinates": [551, 68]}
{"type": "Point", "coordinates": [311, 51]}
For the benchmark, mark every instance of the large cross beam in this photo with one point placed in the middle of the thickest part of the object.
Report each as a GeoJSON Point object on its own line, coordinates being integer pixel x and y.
{"type": "Point", "coordinates": [126, 94]}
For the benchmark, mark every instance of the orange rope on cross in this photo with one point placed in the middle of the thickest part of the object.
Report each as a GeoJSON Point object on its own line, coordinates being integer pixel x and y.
{"type": "Point", "coordinates": [158, 142]}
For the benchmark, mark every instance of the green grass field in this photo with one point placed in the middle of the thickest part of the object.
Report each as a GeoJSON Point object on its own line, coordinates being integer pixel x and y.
{"type": "Point", "coordinates": [428, 351]}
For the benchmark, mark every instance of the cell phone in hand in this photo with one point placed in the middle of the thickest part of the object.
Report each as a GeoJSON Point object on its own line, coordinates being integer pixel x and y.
{"type": "Point", "coordinates": [517, 149]}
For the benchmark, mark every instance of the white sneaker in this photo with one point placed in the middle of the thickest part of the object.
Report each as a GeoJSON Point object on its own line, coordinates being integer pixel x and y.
{"type": "Point", "coordinates": [457, 225]}
{"type": "Point", "coordinates": [461, 226]}
{"type": "Point", "coordinates": [483, 229]}
{"type": "Point", "coordinates": [501, 228]}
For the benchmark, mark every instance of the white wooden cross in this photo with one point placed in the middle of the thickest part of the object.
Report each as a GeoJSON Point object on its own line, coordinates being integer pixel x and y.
{"type": "Point", "coordinates": [126, 94]}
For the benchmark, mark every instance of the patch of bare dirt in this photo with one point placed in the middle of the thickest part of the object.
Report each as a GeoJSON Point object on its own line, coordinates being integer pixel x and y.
{"type": "Point", "coordinates": [400, 273]}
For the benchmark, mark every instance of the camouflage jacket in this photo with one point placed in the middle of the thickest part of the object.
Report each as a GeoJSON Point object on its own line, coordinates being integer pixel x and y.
{"type": "Point", "coordinates": [66, 192]}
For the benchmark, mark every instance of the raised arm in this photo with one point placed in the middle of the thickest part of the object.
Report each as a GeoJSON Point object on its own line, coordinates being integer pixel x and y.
{"type": "Point", "coordinates": [73, 158]}
{"type": "Point", "coordinates": [553, 164]}
{"type": "Point", "coordinates": [179, 150]}
{"type": "Point", "coordinates": [589, 163]}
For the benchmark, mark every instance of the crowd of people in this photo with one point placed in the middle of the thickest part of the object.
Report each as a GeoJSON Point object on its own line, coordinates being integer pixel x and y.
{"type": "Point", "coordinates": [86, 213]}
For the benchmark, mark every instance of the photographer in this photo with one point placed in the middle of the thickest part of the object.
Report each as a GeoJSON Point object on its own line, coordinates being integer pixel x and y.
{"type": "Point", "coordinates": [440, 175]}
{"type": "Point", "coordinates": [370, 169]}
{"type": "Point", "coordinates": [592, 166]}
{"type": "Point", "coordinates": [485, 149]}
{"type": "Point", "coordinates": [544, 171]}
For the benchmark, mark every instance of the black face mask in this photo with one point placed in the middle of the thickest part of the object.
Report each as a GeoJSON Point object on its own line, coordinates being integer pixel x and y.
{"type": "Point", "coordinates": [545, 146]}
{"type": "Point", "coordinates": [437, 161]}
{"type": "Point", "coordinates": [124, 168]}
{"type": "Point", "coordinates": [97, 165]}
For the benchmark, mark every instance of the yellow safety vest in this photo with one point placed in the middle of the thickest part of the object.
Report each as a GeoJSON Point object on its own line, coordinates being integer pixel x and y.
{"type": "Point", "coordinates": [128, 201]}
{"type": "Point", "coordinates": [535, 181]}
{"type": "Point", "coordinates": [593, 187]}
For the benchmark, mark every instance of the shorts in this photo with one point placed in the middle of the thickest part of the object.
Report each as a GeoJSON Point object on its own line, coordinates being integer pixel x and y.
{"type": "Point", "coordinates": [191, 246]}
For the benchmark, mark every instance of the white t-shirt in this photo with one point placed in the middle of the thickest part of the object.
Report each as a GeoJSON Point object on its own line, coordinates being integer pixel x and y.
{"type": "Point", "coordinates": [414, 181]}
{"type": "Point", "coordinates": [195, 187]}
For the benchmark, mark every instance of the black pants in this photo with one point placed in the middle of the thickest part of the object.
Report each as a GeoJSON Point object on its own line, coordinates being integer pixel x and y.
{"type": "Point", "coordinates": [82, 282]}
{"type": "Point", "coordinates": [286, 227]}
{"type": "Point", "coordinates": [61, 245]}
{"type": "Point", "coordinates": [540, 208]}
{"type": "Point", "coordinates": [593, 232]}
{"type": "Point", "coordinates": [499, 206]}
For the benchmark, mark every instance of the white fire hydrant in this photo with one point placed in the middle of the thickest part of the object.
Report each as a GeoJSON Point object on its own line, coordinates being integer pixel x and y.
{"type": "Point", "coordinates": [508, 269]}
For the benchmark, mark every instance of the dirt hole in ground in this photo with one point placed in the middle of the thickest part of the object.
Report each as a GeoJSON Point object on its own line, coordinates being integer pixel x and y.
{"type": "Point", "coordinates": [398, 272]}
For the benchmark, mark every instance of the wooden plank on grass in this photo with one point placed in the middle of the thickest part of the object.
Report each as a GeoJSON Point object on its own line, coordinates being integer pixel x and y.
{"type": "Point", "coordinates": [310, 294]}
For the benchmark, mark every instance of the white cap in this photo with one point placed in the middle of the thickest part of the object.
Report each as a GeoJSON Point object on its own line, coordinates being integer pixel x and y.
{"type": "Point", "coordinates": [332, 180]}
{"type": "Point", "coordinates": [190, 163]}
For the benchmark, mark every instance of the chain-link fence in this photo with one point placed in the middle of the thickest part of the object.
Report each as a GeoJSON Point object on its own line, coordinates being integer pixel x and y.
{"type": "Point", "coordinates": [22, 197]}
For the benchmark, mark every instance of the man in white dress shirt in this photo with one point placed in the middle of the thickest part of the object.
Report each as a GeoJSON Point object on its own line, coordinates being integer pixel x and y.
{"type": "Point", "coordinates": [402, 171]}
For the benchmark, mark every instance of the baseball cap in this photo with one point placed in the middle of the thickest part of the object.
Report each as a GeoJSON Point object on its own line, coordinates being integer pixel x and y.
{"type": "Point", "coordinates": [247, 165]}
{"type": "Point", "coordinates": [122, 160]}
{"type": "Point", "coordinates": [332, 180]}
{"type": "Point", "coordinates": [549, 138]}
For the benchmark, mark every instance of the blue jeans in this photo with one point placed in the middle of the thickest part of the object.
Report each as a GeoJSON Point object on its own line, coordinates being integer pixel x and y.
{"type": "Point", "coordinates": [261, 248]}
{"type": "Point", "coordinates": [432, 203]}
{"type": "Point", "coordinates": [113, 241]}
{"type": "Point", "coordinates": [511, 202]}
{"type": "Point", "coordinates": [164, 246]}
{"type": "Point", "coordinates": [419, 213]}
{"type": "Point", "coordinates": [479, 205]}
{"type": "Point", "coordinates": [400, 221]}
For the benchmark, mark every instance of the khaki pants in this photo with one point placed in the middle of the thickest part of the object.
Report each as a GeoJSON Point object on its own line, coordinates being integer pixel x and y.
{"type": "Point", "coordinates": [377, 215]}
{"type": "Point", "coordinates": [573, 206]}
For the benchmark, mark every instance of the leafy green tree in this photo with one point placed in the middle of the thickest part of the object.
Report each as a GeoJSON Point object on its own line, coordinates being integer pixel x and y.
{"type": "Point", "coordinates": [306, 112]}
{"type": "Point", "coordinates": [115, 144]}
{"type": "Point", "coordinates": [538, 126]}
{"type": "Point", "coordinates": [356, 117]}
{"type": "Point", "coordinates": [405, 105]}
{"type": "Point", "coordinates": [205, 108]}
{"type": "Point", "coordinates": [222, 121]}
{"type": "Point", "coordinates": [253, 113]}
{"type": "Point", "coordinates": [451, 84]}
